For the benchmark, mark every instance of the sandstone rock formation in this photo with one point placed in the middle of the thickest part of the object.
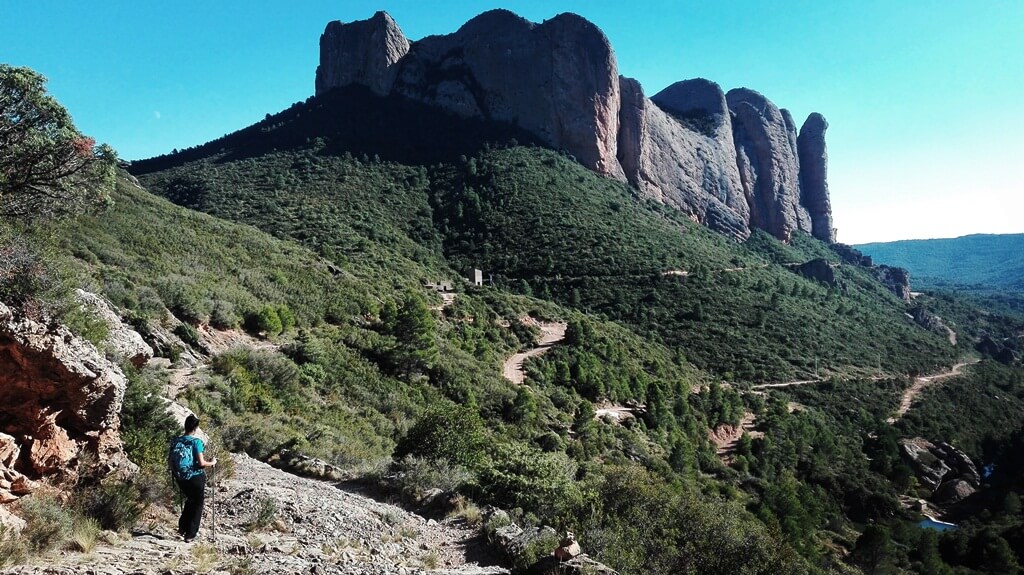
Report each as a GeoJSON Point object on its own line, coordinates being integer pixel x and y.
{"type": "Point", "coordinates": [768, 163]}
{"type": "Point", "coordinates": [677, 148]}
{"type": "Point", "coordinates": [731, 162]}
{"type": "Point", "coordinates": [60, 402]}
{"type": "Point", "coordinates": [813, 155]}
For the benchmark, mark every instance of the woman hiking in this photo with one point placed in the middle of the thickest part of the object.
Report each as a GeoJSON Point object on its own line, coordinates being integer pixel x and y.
{"type": "Point", "coordinates": [187, 462]}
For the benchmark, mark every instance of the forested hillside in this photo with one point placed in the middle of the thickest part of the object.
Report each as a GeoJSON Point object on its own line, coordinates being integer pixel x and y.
{"type": "Point", "coordinates": [993, 261]}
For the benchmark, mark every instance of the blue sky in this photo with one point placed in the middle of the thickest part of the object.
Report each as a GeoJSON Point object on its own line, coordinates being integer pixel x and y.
{"type": "Point", "coordinates": [925, 100]}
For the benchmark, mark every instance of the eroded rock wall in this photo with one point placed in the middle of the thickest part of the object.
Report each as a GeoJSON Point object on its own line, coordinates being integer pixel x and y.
{"type": "Point", "coordinates": [60, 403]}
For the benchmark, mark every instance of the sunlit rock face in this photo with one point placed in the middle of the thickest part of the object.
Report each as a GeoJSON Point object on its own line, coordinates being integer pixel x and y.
{"type": "Point", "coordinates": [729, 161]}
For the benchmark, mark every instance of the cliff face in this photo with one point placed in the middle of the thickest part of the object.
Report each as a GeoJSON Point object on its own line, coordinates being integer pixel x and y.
{"type": "Point", "coordinates": [732, 162]}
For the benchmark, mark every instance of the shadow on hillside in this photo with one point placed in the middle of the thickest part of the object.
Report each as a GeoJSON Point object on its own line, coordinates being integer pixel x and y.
{"type": "Point", "coordinates": [353, 119]}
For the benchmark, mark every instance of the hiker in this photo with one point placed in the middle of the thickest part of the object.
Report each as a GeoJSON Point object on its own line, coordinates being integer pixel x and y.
{"type": "Point", "coordinates": [187, 462]}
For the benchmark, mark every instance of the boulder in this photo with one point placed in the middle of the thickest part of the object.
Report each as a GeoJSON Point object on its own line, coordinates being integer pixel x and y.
{"type": "Point", "coordinates": [819, 270]}
{"type": "Point", "coordinates": [813, 156]}
{"type": "Point", "coordinates": [953, 491]}
{"type": "Point", "coordinates": [9, 451]}
{"type": "Point", "coordinates": [947, 471]}
{"type": "Point", "coordinates": [59, 399]}
{"type": "Point", "coordinates": [10, 521]}
{"type": "Point", "coordinates": [581, 564]}
{"type": "Point", "coordinates": [124, 343]}
{"type": "Point", "coordinates": [929, 469]}
{"type": "Point", "coordinates": [568, 548]}
{"type": "Point", "coordinates": [958, 461]}
{"type": "Point", "coordinates": [306, 466]}
{"type": "Point", "coordinates": [896, 279]}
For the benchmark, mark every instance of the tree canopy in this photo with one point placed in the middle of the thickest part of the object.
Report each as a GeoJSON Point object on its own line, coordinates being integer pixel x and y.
{"type": "Point", "coordinates": [47, 167]}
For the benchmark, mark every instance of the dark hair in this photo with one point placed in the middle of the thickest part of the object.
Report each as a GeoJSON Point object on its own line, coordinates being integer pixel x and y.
{"type": "Point", "coordinates": [191, 423]}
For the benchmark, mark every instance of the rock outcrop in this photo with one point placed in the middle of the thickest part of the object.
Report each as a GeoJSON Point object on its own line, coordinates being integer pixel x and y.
{"type": "Point", "coordinates": [729, 161]}
{"type": "Point", "coordinates": [677, 148]}
{"type": "Point", "coordinates": [60, 402]}
{"type": "Point", "coordinates": [813, 155]}
{"type": "Point", "coordinates": [819, 270]}
{"type": "Point", "coordinates": [766, 152]}
{"type": "Point", "coordinates": [896, 279]}
{"type": "Point", "coordinates": [364, 52]}
{"type": "Point", "coordinates": [943, 469]}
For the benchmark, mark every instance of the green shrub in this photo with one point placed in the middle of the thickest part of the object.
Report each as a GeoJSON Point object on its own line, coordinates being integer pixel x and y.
{"type": "Point", "coordinates": [188, 334]}
{"type": "Point", "coordinates": [223, 315]}
{"type": "Point", "coordinates": [287, 318]}
{"type": "Point", "coordinates": [265, 321]}
{"type": "Point", "coordinates": [146, 427]}
{"type": "Point", "coordinates": [447, 432]}
{"type": "Point", "coordinates": [415, 476]}
{"type": "Point", "coordinates": [264, 514]}
{"type": "Point", "coordinates": [85, 323]}
{"type": "Point", "coordinates": [84, 534]}
{"type": "Point", "coordinates": [48, 524]}
{"type": "Point", "coordinates": [117, 506]}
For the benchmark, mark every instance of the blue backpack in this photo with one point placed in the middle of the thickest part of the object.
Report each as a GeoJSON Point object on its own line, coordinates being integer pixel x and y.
{"type": "Point", "coordinates": [182, 458]}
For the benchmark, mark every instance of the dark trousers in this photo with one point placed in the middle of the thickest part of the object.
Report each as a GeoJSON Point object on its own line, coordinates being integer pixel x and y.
{"type": "Point", "coordinates": [194, 490]}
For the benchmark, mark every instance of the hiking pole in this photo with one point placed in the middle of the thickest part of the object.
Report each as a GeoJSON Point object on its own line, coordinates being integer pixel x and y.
{"type": "Point", "coordinates": [213, 502]}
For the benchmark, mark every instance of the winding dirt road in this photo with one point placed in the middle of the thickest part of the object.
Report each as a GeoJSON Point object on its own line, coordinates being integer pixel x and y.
{"type": "Point", "coordinates": [919, 385]}
{"type": "Point", "coordinates": [550, 334]}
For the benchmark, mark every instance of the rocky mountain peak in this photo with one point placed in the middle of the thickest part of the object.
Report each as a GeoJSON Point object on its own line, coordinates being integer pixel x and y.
{"type": "Point", "coordinates": [728, 160]}
{"type": "Point", "coordinates": [362, 52]}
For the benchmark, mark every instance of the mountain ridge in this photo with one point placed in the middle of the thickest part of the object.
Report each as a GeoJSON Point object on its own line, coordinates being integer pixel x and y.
{"type": "Point", "coordinates": [990, 260]}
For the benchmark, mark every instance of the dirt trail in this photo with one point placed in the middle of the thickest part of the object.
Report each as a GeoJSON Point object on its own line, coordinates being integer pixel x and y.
{"type": "Point", "coordinates": [785, 384]}
{"type": "Point", "coordinates": [920, 384]}
{"type": "Point", "coordinates": [550, 334]}
{"type": "Point", "coordinates": [727, 437]}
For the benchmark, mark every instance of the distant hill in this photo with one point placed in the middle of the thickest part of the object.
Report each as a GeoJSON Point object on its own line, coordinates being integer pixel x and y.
{"type": "Point", "coordinates": [981, 260]}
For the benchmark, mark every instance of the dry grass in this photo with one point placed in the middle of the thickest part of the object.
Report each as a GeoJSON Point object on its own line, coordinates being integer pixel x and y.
{"type": "Point", "coordinates": [205, 557]}
{"type": "Point", "coordinates": [13, 550]}
{"type": "Point", "coordinates": [431, 560]}
{"type": "Point", "coordinates": [466, 510]}
{"type": "Point", "coordinates": [85, 534]}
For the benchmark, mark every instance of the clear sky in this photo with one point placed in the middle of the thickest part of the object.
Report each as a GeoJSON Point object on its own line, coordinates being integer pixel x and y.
{"type": "Point", "coordinates": [925, 99]}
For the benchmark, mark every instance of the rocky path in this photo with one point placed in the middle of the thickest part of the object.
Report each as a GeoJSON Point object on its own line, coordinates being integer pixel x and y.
{"type": "Point", "coordinates": [920, 384]}
{"type": "Point", "coordinates": [550, 334]}
{"type": "Point", "coordinates": [307, 526]}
